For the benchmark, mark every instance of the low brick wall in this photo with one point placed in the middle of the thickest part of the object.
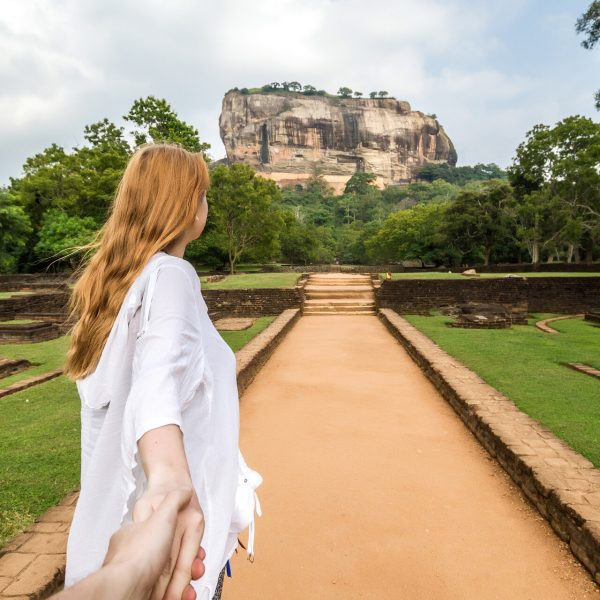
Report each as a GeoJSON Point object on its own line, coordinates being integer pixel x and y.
{"type": "Point", "coordinates": [221, 303]}
{"type": "Point", "coordinates": [537, 294]}
{"type": "Point", "coordinates": [32, 565]}
{"type": "Point", "coordinates": [562, 484]}
{"type": "Point", "coordinates": [250, 302]}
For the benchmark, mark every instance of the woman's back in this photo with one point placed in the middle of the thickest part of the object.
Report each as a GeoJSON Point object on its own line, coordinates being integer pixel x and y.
{"type": "Point", "coordinates": [177, 369]}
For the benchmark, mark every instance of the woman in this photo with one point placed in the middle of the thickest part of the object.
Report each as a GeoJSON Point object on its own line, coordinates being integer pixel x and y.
{"type": "Point", "coordinates": [157, 381]}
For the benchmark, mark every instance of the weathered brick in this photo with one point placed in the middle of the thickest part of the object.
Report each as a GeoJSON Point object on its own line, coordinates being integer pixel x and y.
{"type": "Point", "coordinates": [43, 527]}
{"type": "Point", "coordinates": [44, 574]}
{"type": "Point", "coordinates": [46, 543]}
{"type": "Point", "coordinates": [4, 581]}
{"type": "Point", "coordinates": [13, 563]}
{"type": "Point", "coordinates": [58, 514]}
{"type": "Point", "coordinates": [15, 543]}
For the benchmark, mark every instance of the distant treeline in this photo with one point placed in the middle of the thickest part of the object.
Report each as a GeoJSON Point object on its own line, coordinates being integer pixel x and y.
{"type": "Point", "coordinates": [307, 90]}
{"type": "Point", "coordinates": [546, 207]}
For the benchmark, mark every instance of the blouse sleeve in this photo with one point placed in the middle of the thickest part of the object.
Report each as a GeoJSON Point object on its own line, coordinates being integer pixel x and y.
{"type": "Point", "coordinates": [168, 361]}
{"type": "Point", "coordinates": [168, 366]}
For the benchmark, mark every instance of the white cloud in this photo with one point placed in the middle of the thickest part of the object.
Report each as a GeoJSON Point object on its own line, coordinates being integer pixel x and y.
{"type": "Point", "coordinates": [67, 63]}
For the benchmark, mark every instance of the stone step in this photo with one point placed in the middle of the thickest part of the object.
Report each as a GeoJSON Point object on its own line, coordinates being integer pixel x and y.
{"type": "Point", "coordinates": [338, 307]}
{"type": "Point", "coordinates": [337, 313]}
{"type": "Point", "coordinates": [341, 295]}
{"type": "Point", "coordinates": [339, 279]}
{"type": "Point", "coordinates": [340, 302]}
{"type": "Point", "coordinates": [338, 288]}
{"type": "Point", "coordinates": [336, 285]}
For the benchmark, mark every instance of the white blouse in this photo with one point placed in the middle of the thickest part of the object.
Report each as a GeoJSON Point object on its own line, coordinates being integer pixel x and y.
{"type": "Point", "coordinates": [176, 369]}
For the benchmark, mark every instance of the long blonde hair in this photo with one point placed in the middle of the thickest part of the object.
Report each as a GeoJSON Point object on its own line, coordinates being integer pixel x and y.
{"type": "Point", "coordinates": [156, 200]}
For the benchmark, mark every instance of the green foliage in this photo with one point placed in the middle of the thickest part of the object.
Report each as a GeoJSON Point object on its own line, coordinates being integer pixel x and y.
{"type": "Point", "coordinates": [556, 181]}
{"type": "Point", "coordinates": [460, 175]}
{"type": "Point", "coordinates": [589, 24]}
{"type": "Point", "coordinates": [15, 227]}
{"type": "Point", "coordinates": [60, 232]}
{"type": "Point", "coordinates": [344, 92]}
{"type": "Point", "coordinates": [245, 211]}
{"type": "Point", "coordinates": [405, 196]}
{"type": "Point", "coordinates": [159, 123]}
{"type": "Point", "coordinates": [360, 183]}
{"type": "Point", "coordinates": [80, 185]}
{"type": "Point", "coordinates": [477, 222]}
{"type": "Point", "coordinates": [415, 233]}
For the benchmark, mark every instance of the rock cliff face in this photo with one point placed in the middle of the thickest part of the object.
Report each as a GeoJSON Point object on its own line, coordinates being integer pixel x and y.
{"type": "Point", "coordinates": [285, 136]}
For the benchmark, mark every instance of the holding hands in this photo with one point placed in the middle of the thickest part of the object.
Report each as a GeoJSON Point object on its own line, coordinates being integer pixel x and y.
{"type": "Point", "coordinates": [144, 559]}
{"type": "Point", "coordinates": [184, 555]}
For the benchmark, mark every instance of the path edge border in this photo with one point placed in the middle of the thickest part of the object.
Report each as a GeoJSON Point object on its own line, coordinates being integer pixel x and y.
{"type": "Point", "coordinates": [250, 359]}
{"type": "Point", "coordinates": [562, 485]}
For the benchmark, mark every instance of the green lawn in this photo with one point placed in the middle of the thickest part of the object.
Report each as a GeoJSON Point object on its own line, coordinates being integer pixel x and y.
{"type": "Point", "coordinates": [18, 321]}
{"type": "Point", "coordinates": [40, 433]}
{"type": "Point", "coordinates": [252, 281]}
{"type": "Point", "coordinates": [437, 275]}
{"type": "Point", "coordinates": [9, 294]}
{"type": "Point", "coordinates": [44, 356]}
{"type": "Point", "coordinates": [238, 339]}
{"type": "Point", "coordinates": [524, 364]}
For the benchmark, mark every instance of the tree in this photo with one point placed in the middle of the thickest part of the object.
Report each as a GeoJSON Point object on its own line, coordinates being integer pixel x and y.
{"type": "Point", "coordinates": [344, 92]}
{"type": "Point", "coordinates": [382, 94]}
{"type": "Point", "coordinates": [15, 228]}
{"type": "Point", "coordinates": [60, 233]}
{"type": "Point", "coordinates": [309, 90]}
{"type": "Point", "coordinates": [372, 94]}
{"type": "Point", "coordinates": [160, 123]}
{"type": "Point", "coordinates": [244, 209]}
{"type": "Point", "coordinates": [358, 94]}
{"type": "Point", "coordinates": [557, 186]}
{"type": "Point", "coordinates": [460, 175]}
{"type": "Point", "coordinates": [360, 183]}
{"type": "Point", "coordinates": [477, 221]}
{"type": "Point", "coordinates": [414, 233]}
{"type": "Point", "coordinates": [589, 24]}
{"type": "Point", "coordinates": [295, 86]}
{"type": "Point", "coordinates": [304, 243]}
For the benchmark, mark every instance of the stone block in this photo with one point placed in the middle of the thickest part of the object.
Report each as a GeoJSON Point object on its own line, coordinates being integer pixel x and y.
{"type": "Point", "coordinates": [41, 577]}
{"type": "Point", "coordinates": [46, 543]}
{"type": "Point", "coordinates": [13, 563]}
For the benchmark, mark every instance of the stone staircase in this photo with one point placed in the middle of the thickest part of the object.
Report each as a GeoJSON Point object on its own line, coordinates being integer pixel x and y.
{"type": "Point", "coordinates": [339, 294]}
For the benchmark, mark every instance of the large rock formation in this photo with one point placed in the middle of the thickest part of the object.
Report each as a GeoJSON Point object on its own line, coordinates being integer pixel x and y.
{"type": "Point", "coordinates": [285, 136]}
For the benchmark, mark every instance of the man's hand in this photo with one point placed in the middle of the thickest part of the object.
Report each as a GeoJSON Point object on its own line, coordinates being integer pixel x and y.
{"type": "Point", "coordinates": [138, 555]}
{"type": "Point", "coordinates": [183, 562]}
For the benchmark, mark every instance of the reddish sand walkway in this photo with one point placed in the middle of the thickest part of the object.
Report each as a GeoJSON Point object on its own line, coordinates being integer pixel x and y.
{"type": "Point", "coordinates": [374, 488]}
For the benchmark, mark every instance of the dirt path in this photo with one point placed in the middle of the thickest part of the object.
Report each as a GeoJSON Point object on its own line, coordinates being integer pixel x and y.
{"type": "Point", "coordinates": [374, 488]}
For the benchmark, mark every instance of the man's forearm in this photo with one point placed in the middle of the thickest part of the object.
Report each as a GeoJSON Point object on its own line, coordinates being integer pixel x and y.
{"type": "Point", "coordinates": [116, 582]}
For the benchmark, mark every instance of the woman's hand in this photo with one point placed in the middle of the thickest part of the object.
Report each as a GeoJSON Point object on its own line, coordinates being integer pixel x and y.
{"type": "Point", "coordinates": [184, 562]}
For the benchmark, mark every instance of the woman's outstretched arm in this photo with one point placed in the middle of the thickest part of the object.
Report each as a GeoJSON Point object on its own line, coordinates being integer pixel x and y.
{"type": "Point", "coordinates": [163, 459]}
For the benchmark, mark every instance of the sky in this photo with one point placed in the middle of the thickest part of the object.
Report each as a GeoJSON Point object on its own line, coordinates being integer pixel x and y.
{"type": "Point", "coordinates": [489, 70]}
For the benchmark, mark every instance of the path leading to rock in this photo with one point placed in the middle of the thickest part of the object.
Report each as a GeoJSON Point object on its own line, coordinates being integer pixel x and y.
{"type": "Point", "coordinates": [374, 488]}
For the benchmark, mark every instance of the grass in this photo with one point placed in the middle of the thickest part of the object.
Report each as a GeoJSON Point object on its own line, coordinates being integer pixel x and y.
{"type": "Point", "coordinates": [40, 457]}
{"type": "Point", "coordinates": [252, 281]}
{"type": "Point", "coordinates": [40, 433]}
{"type": "Point", "coordinates": [524, 364]}
{"type": "Point", "coordinates": [438, 275]}
{"type": "Point", "coordinates": [238, 339]}
{"type": "Point", "coordinates": [44, 356]}
{"type": "Point", "coordinates": [10, 294]}
{"type": "Point", "coordinates": [18, 322]}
